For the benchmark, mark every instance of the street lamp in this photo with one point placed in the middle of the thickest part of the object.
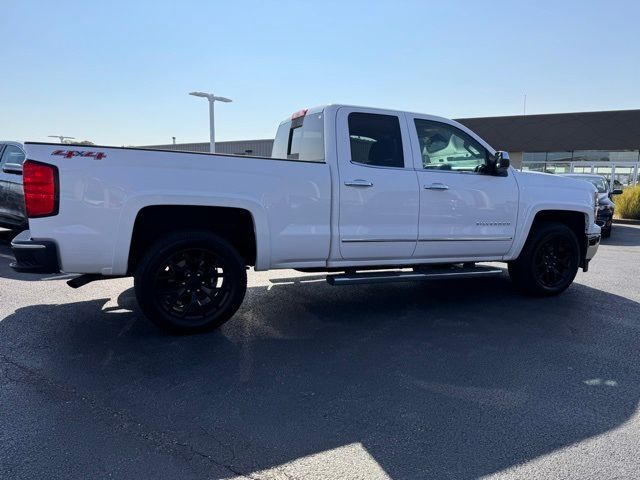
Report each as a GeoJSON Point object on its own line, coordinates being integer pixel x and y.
{"type": "Point", "coordinates": [212, 99]}
{"type": "Point", "coordinates": [62, 138]}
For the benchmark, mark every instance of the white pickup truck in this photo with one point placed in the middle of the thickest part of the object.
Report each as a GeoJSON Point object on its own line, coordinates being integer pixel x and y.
{"type": "Point", "coordinates": [364, 194]}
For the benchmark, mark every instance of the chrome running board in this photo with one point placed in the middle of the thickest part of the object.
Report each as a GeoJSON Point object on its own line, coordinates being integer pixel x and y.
{"type": "Point", "coordinates": [427, 273]}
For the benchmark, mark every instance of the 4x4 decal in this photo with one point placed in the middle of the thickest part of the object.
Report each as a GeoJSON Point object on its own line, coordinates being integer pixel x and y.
{"type": "Point", "coordinates": [79, 153]}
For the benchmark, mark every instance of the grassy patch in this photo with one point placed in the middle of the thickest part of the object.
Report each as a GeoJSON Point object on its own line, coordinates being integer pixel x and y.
{"type": "Point", "coordinates": [628, 204]}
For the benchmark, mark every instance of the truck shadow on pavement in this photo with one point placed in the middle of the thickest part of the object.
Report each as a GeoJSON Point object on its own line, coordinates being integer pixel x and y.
{"type": "Point", "coordinates": [446, 380]}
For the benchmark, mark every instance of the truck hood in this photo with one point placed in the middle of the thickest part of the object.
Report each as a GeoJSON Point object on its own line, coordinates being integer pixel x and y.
{"type": "Point", "coordinates": [545, 191]}
{"type": "Point", "coordinates": [554, 183]}
{"type": "Point", "coordinates": [603, 199]}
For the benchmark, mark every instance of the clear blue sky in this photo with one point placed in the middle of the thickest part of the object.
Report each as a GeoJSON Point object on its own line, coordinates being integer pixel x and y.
{"type": "Point", "coordinates": [119, 72]}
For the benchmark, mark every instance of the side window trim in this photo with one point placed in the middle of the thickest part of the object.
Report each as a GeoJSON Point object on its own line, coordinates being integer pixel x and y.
{"type": "Point", "coordinates": [380, 166]}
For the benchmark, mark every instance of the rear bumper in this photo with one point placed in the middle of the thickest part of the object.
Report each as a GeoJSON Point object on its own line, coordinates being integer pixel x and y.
{"type": "Point", "coordinates": [34, 256]}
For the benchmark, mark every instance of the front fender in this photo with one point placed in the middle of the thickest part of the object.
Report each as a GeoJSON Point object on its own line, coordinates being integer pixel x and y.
{"type": "Point", "coordinates": [528, 217]}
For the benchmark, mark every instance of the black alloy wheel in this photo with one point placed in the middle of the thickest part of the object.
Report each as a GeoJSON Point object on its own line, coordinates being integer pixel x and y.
{"type": "Point", "coordinates": [549, 260]}
{"type": "Point", "coordinates": [554, 261]}
{"type": "Point", "coordinates": [190, 282]}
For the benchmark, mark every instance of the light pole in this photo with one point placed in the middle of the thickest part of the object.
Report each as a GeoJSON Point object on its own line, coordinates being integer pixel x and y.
{"type": "Point", "coordinates": [62, 138]}
{"type": "Point", "coordinates": [212, 99]}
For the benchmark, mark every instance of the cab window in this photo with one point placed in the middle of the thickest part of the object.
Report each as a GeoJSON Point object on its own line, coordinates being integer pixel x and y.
{"type": "Point", "coordinates": [445, 147]}
{"type": "Point", "coordinates": [376, 140]}
{"type": "Point", "coordinates": [300, 139]}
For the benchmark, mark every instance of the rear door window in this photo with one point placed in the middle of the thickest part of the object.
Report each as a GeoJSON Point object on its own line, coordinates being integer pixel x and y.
{"type": "Point", "coordinates": [376, 140]}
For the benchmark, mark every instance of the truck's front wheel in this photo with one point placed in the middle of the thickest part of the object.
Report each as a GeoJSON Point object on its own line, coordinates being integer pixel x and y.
{"type": "Point", "coordinates": [548, 262]}
{"type": "Point", "coordinates": [190, 282]}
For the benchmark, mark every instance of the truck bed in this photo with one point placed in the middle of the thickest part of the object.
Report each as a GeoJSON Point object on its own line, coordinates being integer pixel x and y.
{"type": "Point", "coordinates": [102, 190]}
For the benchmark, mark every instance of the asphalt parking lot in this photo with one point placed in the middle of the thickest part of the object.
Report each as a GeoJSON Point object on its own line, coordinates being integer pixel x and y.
{"type": "Point", "coordinates": [435, 380]}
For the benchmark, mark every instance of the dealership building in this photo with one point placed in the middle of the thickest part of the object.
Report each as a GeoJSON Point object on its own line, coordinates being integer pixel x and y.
{"type": "Point", "coordinates": [606, 143]}
{"type": "Point", "coordinates": [258, 148]}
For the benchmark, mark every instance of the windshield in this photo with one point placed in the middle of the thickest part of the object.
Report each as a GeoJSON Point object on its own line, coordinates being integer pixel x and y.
{"type": "Point", "coordinates": [597, 182]}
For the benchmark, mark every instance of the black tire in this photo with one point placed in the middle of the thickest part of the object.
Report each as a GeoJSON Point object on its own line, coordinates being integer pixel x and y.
{"type": "Point", "coordinates": [190, 282]}
{"type": "Point", "coordinates": [606, 232]}
{"type": "Point", "coordinates": [548, 262]}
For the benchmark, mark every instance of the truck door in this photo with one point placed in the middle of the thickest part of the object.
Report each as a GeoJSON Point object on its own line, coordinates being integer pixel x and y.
{"type": "Point", "coordinates": [464, 213]}
{"type": "Point", "coordinates": [378, 190]}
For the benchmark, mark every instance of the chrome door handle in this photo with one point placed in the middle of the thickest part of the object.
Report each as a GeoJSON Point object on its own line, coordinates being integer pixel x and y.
{"type": "Point", "coordinates": [359, 183]}
{"type": "Point", "coordinates": [437, 186]}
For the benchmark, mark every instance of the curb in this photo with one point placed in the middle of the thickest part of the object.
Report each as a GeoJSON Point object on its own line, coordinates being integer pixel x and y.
{"type": "Point", "coordinates": [626, 221]}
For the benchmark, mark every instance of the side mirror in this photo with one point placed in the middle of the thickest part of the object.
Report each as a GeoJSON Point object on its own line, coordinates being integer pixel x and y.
{"type": "Point", "coordinates": [501, 163]}
{"type": "Point", "coordinates": [617, 191]}
{"type": "Point", "coordinates": [15, 168]}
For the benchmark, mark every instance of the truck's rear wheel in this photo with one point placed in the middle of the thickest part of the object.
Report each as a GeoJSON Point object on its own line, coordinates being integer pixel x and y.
{"type": "Point", "coordinates": [548, 262]}
{"type": "Point", "coordinates": [190, 282]}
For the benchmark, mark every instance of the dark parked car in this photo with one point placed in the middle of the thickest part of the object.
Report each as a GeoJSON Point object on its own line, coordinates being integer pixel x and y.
{"type": "Point", "coordinates": [606, 206]}
{"type": "Point", "coordinates": [12, 210]}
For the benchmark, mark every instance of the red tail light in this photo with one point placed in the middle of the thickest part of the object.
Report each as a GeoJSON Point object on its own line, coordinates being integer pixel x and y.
{"type": "Point", "coordinates": [41, 189]}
